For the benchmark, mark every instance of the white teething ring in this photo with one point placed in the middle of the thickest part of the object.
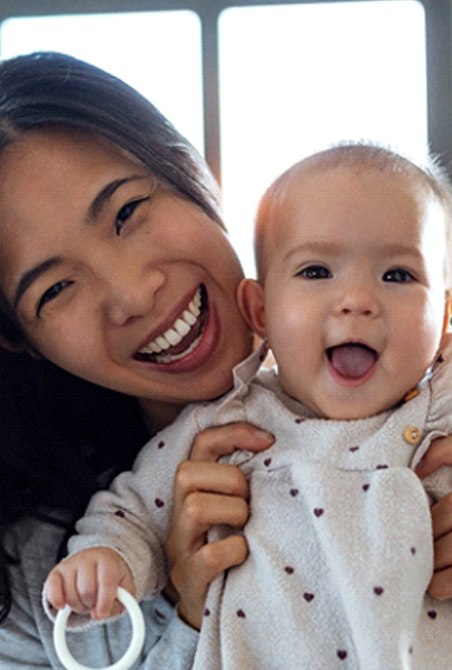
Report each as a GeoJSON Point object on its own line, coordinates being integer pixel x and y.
{"type": "Point", "coordinates": [130, 656]}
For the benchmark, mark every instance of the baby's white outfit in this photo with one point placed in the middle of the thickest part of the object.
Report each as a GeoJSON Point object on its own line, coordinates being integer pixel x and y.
{"type": "Point", "coordinates": [339, 536]}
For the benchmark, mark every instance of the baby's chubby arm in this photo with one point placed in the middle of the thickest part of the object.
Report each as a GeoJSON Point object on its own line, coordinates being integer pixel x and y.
{"type": "Point", "coordinates": [87, 581]}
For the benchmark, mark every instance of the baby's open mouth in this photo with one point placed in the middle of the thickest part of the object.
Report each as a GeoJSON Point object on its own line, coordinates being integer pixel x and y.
{"type": "Point", "coordinates": [351, 359]}
{"type": "Point", "coordinates": [182, 337]}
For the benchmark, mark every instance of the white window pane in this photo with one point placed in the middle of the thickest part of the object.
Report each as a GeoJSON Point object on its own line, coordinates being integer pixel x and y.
{"type": "Point", "coordinates": [295, 78]}
{"type": "Point", "coordinates": [159, 53]}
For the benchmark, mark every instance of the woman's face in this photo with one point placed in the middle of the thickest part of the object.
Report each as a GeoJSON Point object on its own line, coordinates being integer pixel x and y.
{"type": "Point", "coordinates": [114, 277]}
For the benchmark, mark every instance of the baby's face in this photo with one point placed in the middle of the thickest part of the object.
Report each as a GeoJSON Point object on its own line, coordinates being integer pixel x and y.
{"type": "Point", "coordinates": [355, 289]}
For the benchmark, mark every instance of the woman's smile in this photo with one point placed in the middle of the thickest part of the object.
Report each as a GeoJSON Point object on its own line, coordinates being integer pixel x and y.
{"type": "Point", "coordinates": [181, 336]}
{"type": "Point", "coordinates": [189, 341]}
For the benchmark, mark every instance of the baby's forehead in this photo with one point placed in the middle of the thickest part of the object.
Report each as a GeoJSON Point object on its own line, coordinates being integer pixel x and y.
{"type": "Point", "coordinates": [345, 176]}
{"type": "Point", "coordinates": [311, 175]}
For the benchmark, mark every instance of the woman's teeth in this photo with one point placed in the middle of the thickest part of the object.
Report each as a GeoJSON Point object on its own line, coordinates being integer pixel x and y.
{"type": "Point", "coordinates": [170, 358]}
{"type": "Point", "coordinates": [180, 328]}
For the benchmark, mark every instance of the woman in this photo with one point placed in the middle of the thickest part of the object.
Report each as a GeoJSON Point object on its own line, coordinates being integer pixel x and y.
{"type": "Point", "coordinates": [114, 266]}
{"type": "Point", "coordinates": [136, 171]}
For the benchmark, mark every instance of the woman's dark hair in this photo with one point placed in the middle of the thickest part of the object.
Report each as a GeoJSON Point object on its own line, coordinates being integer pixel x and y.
{"type": "Point", "coordinates": [61, 437]}
{"type": "Point", "coordinates": [61, 440]}
{"type": "Point", "coordinates": [49, 90]}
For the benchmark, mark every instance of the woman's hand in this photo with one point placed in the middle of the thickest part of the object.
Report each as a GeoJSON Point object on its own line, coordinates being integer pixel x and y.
{"type": "Point", "coordinates": [207, 493]}
{"type": "Point", "coordinates": [439, 454]}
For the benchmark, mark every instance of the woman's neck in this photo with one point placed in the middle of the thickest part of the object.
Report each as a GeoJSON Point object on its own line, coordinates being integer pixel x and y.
{"type": "Point", "coordinates": [157, 415]}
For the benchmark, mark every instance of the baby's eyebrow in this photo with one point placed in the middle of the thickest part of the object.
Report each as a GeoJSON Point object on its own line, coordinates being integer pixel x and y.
{"type": "Point", "coordinates": [30, 276]}
{"type": "Point", "coordinates": [331, 248]}
{"type": "Point", "coordinates": [316, 247]}
{"type": "Point", "coordinates": [404, 250]}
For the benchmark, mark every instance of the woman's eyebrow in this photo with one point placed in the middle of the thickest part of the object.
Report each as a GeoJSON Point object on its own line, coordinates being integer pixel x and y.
{"type": "Point", "coordinates": [106, 193]}
{"type": "Point", "coordinates": [30, 276]}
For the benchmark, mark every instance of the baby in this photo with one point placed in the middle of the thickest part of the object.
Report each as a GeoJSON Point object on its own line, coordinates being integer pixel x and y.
{"type": "Point", "coordinates": [352, 297]}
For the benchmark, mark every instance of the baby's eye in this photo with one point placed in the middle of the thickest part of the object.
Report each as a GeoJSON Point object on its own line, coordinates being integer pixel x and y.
{"type": "Point", "coordinates": [52, 293]}
{"type": "Point", "coordinates": [315, 272]}
{"type": "Point", "coordinates": [398, 275]}
{"type": "Point", "coordinates": [125, 213]}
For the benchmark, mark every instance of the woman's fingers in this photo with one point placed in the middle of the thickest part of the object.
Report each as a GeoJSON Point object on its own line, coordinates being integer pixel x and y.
{"type": "Point", "coordinates": [443, 552]}
{"type": "Point", "coordinates": [207, 494]}
{"type": "Point", "coordinates": [197, 515]}
{"type": "Point", "coordinates": [438, 454]}
{"type": "Point", "coordinates": [203, 473]}
{"type": "Point", "coordinates": [209, 562]}
{"type": "Point", "coordinates": [204, 510]}
{"type": "Point", "coordinates": [208, 476]}
{"type": "Point", "coordinates": [192, 577]}
{"type": "Point", "coordinates": [442, 520]}
{"type": "Point", "coordinates": [440, 586]}
{"type": "Point", "coordinates": [213, 443]}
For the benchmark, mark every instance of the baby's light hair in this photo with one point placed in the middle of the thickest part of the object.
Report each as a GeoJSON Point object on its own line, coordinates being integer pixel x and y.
{"type": "Point", "coordinates": [354, 155]}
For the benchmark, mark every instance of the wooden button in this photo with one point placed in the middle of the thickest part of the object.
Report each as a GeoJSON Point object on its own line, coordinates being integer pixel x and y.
{"type": "Point", "coordinates": [411, 394]}
{"type": "Point", "coordinates": [412, 435]}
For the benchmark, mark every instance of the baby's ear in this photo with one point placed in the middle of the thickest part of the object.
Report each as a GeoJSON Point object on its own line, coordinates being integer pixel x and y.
{"type": "Point", "coordinates": [447, 321]}
{"type": "Point", "coordinates": [250, 298]}
{"type": "Point", "coordinates": [447, 324]}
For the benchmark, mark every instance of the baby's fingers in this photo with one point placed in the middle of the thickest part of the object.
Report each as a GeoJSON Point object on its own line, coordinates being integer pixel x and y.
{"type": "Point", "coordinates": [86, 589]}
{"type": "Point", "coordinates": [68, 585]}
{"type": "Point", "coordinates": [55, 591]}
{"type": "Point", "coordinates": [106, 603]}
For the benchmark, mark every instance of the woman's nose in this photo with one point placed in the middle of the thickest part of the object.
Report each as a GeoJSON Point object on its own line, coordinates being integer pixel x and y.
{"type": "Point", "coordinates": [129, 294]}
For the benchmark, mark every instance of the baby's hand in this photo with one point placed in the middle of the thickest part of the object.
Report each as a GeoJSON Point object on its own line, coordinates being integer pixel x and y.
{"type": "Point", "coordinates": [87, 582]}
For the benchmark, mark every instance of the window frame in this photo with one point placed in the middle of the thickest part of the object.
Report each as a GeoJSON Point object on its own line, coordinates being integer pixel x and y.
{"type": "Point", "coordinates": [438, 20]}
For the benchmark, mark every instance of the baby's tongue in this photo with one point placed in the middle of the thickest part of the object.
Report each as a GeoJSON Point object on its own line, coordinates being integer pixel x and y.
{"type": "Point", "coordinates": [352, 360]}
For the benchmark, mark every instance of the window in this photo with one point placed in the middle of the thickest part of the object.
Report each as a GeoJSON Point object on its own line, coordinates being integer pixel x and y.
{"type": "Point", "coordinates": [296, 78]}
{"type": "Point", "coordinates": [290, 78]}
{"type": "Point", "coordinates": [159, 53]}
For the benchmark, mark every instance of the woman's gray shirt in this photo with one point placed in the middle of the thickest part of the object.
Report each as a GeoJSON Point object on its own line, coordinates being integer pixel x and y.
{"type": "Point", "coordinates": [26, 635]}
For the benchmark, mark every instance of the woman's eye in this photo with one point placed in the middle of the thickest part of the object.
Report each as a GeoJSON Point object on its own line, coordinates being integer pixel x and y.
{"type": "Point", "coordinates": [315, 272]}
{"type": "Point", "coordinates": [52, 293]}
{"type": "Point", "coordinates": [398, 275]}
{"type": "Point", "coordinates": [125, 213]}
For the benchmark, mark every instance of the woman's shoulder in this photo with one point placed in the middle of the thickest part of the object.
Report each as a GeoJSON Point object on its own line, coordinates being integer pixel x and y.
{"type": "Point", "coordinates": [26, 635]}
{"type": "Point", "coordinates": [33, 546]}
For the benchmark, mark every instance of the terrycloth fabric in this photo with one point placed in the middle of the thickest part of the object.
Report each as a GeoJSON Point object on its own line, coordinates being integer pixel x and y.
{"type": "Point", "coordinates": [340, 532]}
{"type": "Point", "coordinates": [26, 636]}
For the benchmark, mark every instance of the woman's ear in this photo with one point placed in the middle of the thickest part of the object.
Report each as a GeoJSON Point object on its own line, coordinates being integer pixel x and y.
{"type": "Point", "coordinates": [18, 348]}
{"type": "Point", "coordinates": [250, 298]}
